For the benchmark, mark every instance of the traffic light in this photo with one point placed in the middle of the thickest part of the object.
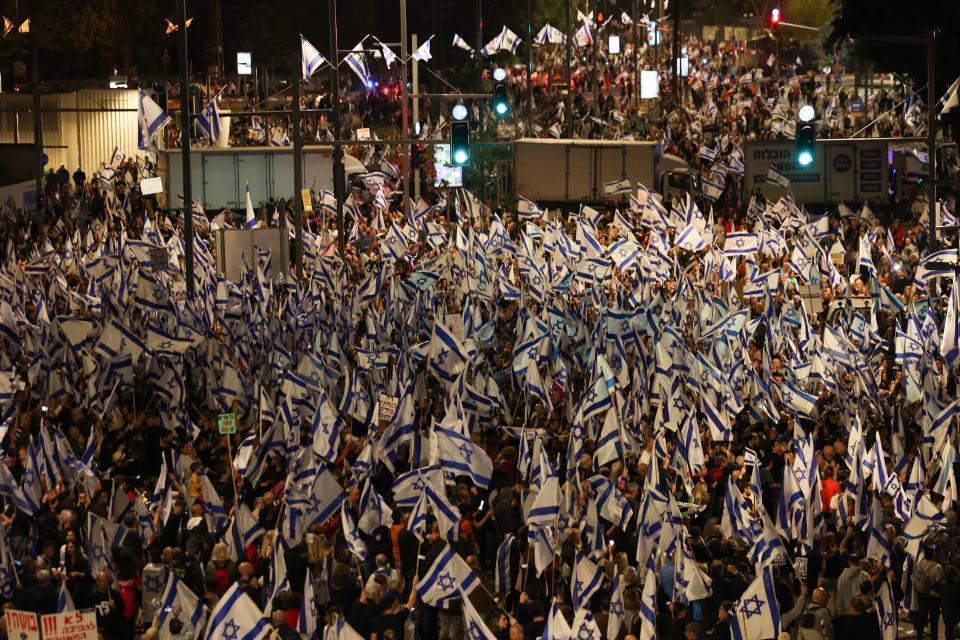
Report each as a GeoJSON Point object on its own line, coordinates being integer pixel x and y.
{"type": "Point", "coordinates": [459, 137]}
{"type": "Point", "coordinates": [501, 101]}
{"type": "Point", "coordinates": [775, 17]}
{"type": "Point", "coordinates": [805, 138]}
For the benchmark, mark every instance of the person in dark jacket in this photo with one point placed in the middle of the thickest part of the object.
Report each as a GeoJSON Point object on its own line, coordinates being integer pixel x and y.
{"type": "Point", "coordinates": [950, 601]}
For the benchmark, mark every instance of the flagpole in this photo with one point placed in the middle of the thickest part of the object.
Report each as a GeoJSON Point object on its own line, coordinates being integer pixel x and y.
{"type": "Point", "coordinates": [185, 144]}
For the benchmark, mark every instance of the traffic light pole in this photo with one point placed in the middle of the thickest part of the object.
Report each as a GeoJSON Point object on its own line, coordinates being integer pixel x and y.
{"type": "Point", "coordinates": [675, 47]}
{"type": "Point", "coordinates": [529, 68]}
{"type": "Point", "coordinates": [339, 172]}
{"type": "Point", "coordinates": [404, 105]}
{"type": "Point", "coordinates": [297, 204]}
{"type": "Point", "coordinates": [185, 144]}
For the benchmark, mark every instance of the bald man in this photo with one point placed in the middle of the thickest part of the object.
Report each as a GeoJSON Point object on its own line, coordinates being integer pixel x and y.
{"type": "Point", "coordinates": [818, 607]}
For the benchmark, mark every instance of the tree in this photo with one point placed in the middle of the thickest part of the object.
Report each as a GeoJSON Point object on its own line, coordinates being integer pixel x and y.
{"type": "Point", "coordinates": [810, 13]}
{"type": "Point", "coordinates": [860, 17]}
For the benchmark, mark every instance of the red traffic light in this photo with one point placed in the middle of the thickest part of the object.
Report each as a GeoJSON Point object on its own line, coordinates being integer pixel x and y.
{"type": "Point", "coordinates": [774, 16]}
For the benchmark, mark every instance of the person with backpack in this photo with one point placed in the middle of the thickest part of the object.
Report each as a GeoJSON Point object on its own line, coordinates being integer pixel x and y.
{"type": "Point", "coordinates": [927, 577]}
{"type": "Point", "coordinates": [222, 568]}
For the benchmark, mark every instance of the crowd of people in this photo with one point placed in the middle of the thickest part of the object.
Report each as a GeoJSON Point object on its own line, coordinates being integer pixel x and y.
{"type": "Point", "coordinates": [701, 420]}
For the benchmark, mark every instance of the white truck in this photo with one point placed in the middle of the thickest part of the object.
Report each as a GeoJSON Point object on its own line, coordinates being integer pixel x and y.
{"type": "Point", "coordinates": [558, 171]}
{"type": "Point", "coordinates": [220, 176]}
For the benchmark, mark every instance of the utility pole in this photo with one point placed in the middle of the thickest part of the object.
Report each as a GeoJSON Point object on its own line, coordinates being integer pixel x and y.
{"type": "Point", "coordinates": [296, 205]}
{"type": "Point", "coordinates": [404, 105]}
{"type": "Point", "coordinates": [338, 168]}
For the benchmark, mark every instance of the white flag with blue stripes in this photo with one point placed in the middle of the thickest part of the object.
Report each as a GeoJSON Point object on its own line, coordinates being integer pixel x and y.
{"type": "Point", "coordinates": [777, 178]}
{"type": "Point", "coordinates": [617, 187]}
{"type": "Point", "coordinates": [757, 614]}
{"type": "Point", "coordinates": [460, 456]}
{"type": "Point", "coordinates": [460, 43]}
{"type": "Point", "coordinates": [236, 615]}
{"type": "Point", "coordinates": [448, 578]}
{"type": "Point", "coordinates": [799, 401]}
{"type": "Point", "coordinates": [251, 220]}
{"type": "Point", "coordinates": [151, 119]}
{"type": "Point", "coordinates": [310, 58]}
{"type": "Point", "coordinates": [358, 64]}
{"type": "Point", "coordinates": [209, 120]}
{"type": "Point", "coordinates": [587, 580]}
{"type": "Point", "coordinates": [190, 610]}
{"type": "Point", "coordinates": [690, 239]}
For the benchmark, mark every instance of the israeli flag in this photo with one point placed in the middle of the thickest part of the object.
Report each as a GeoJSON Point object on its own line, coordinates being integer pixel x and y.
{"type": "Point", "coordinates": [209, 120]}
{"type": "Point", "coordinates": [951, 98]}
{"type": "Point", "coordinates": [707, 154]}
{"type": "Point", "coordinates": [236, 615]}
{"type": "Point", "coordinates": [65, 600]}
{"type": "Point", "coordinates": [191, 610]}
{"type": "Point", "coordinates": [506, 40]}
{"type": "Point", "coordinates": [712, 190]}
{"type": "Point", "coordinates": [587, 579]}
{"type": "Point", "coordinates": [389, 57]}
{"type": "Point", "coordinates": [864, 258]}
{"type": "Point", "coordinates": [459, 455]}
{"type": "Point", "coordinates": [358, 64]}
{"type": "Point", "coordinates": [310, 58]}
{"type": "Point", "coordinates": [777, 178]}
{"type": "Point", "coordinates": [800, 401]}
{"type": "Point", "coordinates": [422, 54]}
{"type": "Point", "coordinates": [151, 119]}
{"type": "Point", "coordinates": [549, 35]}
{"type": "Point", "coordinates": [757, 614]}
{"type": "Point", "coordinates": [251, 221]}
{"type": "Point", "coordinates": [741, 243]}
{"type": "Point", "coordinates": [527, 208]}
{"type": "Point", "coordinates": [648, 607]}
{"type": "Point", "coordinates": [617, 187]}
{"type": "Point", "coordinates": [460, 43]}
{"type": "Point", "coordinates": [582, 37]}
{"type": "Point", "coordinates": [690, 239]}
{"type": "Point", "coordinates": [448, 578]}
